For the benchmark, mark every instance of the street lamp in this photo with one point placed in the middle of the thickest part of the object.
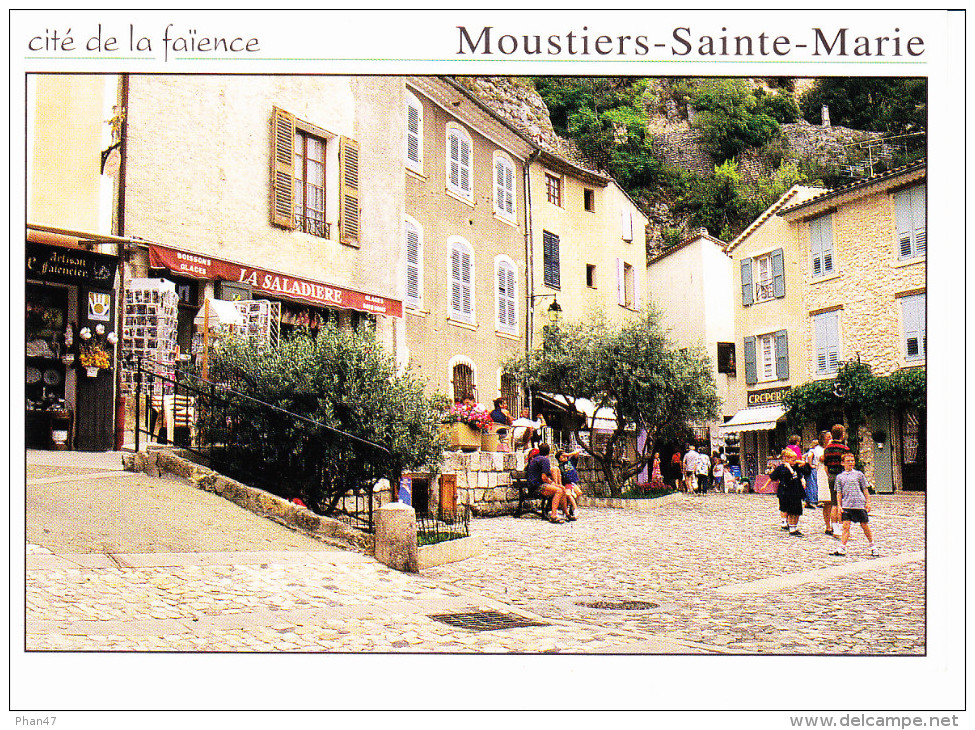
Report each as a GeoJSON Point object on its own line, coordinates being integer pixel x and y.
{"type": "Point", "coordinates": [554, 309]}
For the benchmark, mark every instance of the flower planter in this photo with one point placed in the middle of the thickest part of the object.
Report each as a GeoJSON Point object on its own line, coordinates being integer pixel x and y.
{"type": "Point", "coordinates": [464, 437]}
{"type": "Point", "coordinates": [91, 372]}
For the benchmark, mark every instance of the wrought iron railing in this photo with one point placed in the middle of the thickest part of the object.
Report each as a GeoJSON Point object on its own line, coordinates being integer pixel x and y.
{"type": "Point", "coordinates": [289, 454]}
{"type": "Point", "coordinates": [431, 529]}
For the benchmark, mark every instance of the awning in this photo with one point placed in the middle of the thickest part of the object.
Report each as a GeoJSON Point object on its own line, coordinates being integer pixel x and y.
{"type": "Point", "coordinates": [753, 419]}
{"type": "Point", "coordinates": [272, 283]}
{"type": "Point", "coordinates": [221, 313]}
{"type": "Point", "coordinates": [605, 418]}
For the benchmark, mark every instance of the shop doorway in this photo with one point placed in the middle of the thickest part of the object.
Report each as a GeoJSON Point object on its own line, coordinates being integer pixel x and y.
{"type": "Point", "coordinates": [913, 452]}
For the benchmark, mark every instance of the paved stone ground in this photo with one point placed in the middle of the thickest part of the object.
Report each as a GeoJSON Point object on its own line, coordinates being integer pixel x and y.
{"type": "Point", "coordinates": [721, 571]}
{"type": "Point", "coordinates": [117, 561]}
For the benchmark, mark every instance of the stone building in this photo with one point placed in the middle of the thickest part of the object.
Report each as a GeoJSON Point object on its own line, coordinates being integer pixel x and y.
{"type": "Point", "coordinates": [828, 276]}
{"type": "Point", "coordinates": [862, 249]}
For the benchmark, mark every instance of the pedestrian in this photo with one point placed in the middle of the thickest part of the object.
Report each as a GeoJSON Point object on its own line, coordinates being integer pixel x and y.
{"type": "Point", "coordinates": [703, 471]}
{"type": "Point", "coordinates": [690, 469]}
{"type": "Point", "coordinates": [676, 473]}
{"type": "Point", "coordinates": [656, 475]}
{"type": "Point", "coordinates": [822, 482]}
{"type": "Point", "coordinates": [854, 497]}
{"type": "Point", "coordinates": [790, 491]}
{"type": "Point", "coordinates": [812, 478]}
{"type": "Point", "coordinates": [569, 478]}
{"type": "Point", "coordinates": [833, 459]}
{"type": "Point", "coordinates": [794, 446]}
{"type": "Point", "coordinates": [717, 469]}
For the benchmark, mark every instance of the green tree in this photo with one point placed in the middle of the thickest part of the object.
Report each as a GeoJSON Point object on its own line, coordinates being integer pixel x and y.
{"type": "Point", "coordinates": [731, 119]}
{"type": "Point", "coordinates": [645, 380]}
{"type": "Point", "coordinates": [891, 104]}
{"type": "Point", "coordinates": [343, 380]}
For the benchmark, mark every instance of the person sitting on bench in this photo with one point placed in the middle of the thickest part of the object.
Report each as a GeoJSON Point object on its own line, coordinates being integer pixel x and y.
{"type": "Point", "coordinates": [539, 476]}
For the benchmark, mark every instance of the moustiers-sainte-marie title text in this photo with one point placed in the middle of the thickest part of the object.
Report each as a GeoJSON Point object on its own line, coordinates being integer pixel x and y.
{"type": "Point", "coordinates": [684, 41]}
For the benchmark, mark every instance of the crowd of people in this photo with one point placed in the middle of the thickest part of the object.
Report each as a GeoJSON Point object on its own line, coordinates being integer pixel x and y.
{"type": "Point", "coordinates": [824, 477]}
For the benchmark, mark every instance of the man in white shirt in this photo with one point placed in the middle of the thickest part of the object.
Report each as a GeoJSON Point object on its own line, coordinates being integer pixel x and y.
{"type": "Point", "coordinates": [690, 469]}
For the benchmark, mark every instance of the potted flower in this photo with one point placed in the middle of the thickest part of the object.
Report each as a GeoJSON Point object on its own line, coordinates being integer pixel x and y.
{"type": "Point", "coordinates": [93, 350]}
{"type": "Point", "coordinates": [465, 422]}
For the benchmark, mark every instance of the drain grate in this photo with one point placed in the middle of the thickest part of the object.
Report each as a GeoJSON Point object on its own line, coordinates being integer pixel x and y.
{"type": "Point", "coordinates": [486, 620]}
{"type": "Point", "coordinates": [619, 605]}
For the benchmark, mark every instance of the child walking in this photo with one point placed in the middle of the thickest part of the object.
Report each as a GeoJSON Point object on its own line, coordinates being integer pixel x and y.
{"type": "Point", "coordinates": [854, 498]}
{"type": "Point", "coordinates": [790, 491]}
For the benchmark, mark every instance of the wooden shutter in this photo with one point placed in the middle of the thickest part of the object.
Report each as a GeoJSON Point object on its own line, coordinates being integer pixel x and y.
{"type": "Point", "coordinates": [349, 211]}
{"type": "Point", "coordinates": [506, 297]}
{"type": "Point", "coordinates": [453, 160]}
{"type": "Point", "coordinates": [414, 129]}
{"type": "Point", "coordinates": [620, 283]}
{"type": "Point", "coordinates": [455, 280]}
{"type": "Point", "coordinates": [282, 168]}
{"type": "Point", "coordinates": [637, 295]}
{"type": "Point", "coordinates": [412, 264]}
{"type": "Point", "coordinates": [509, 186]}
{"type": "Point", "coordinates": [919, 219]}
{"type": "Point", "coordinates": [465, 165]}
{"type": "Point", "coordinates": [747, 291]}
{"type": "Point", "coordinates": [914, 326]}
{"type": "Point", "coordinates": [778, 273]}
{"type": "Point", "coordinates": [751, 364]}
{"type": "Point", "coordinates": [782, 355]}
{"type": "Point", "coordinates": [905, 226]}
{"type": "Point", "coordinates": [461, 275]}
{"type": "Point", "coordinates": [550, 258]}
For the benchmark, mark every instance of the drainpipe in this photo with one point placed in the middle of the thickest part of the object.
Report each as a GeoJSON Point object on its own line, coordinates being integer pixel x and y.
{"type": "Point", "coordinates": [120, 230]}
{"type": "Point", "coordinates": [530, 263]}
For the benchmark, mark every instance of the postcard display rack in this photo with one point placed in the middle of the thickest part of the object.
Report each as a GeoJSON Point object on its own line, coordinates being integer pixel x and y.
{"type": "Point", "coordinates": [149, 331]}
{"type": "Point", "coordinates": [261, 320]}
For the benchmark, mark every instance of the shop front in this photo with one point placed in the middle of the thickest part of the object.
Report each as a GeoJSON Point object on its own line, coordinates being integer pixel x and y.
{"type": "Point", "coordinates": [70, 313]}
{"type": "Point", "coordinates": [761, 435]}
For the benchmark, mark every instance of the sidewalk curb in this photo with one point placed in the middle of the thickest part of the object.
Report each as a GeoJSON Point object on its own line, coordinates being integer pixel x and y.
{"type": "Point", "coordinates": [160, 462]}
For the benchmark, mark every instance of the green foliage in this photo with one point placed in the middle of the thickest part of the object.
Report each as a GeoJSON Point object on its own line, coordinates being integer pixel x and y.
{"type": "Point", "coordinates": [343, 380]}
{"type": "Point", "coordinates": [780, 106]}
{"type": "Point", "coordinates": [858, 394]}
{"type": "Point", "coordinates": [635, 371]}
{"type": "Point", "coordinates": [732, 119]}
{"type": "Point", "coordinates": [893, 105]}
{"type": "Point", "coordinates": [672, 236]}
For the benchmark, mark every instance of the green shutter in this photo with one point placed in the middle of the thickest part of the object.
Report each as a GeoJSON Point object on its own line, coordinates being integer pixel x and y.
{"type": "Point", "coordinates": [782, 355]}
{"type": "Point", "coordinates": [747, 292]}
{"type": "Point", "coordinates": [778, 273]}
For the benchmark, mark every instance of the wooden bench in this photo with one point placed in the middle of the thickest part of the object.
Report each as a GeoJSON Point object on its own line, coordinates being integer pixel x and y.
{"type": "Point", "coordinates": [529, 498]}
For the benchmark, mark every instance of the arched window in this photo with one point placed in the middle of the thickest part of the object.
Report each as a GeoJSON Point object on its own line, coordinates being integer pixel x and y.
{"type": "Point", "coordinates": [414, 262]}
{"type": "Point", "coordinates": [460, 151]}
{"type": "Point", "coordinates": [461, 279]}
{"type": "Point", "coordinates": [414, 133]}
{"type": "Point", "coordinates": [506, 296]}
{"type": "Point", "coordinates": [504, 186]}
{"type": "Point", "coordinates": [509, 391]}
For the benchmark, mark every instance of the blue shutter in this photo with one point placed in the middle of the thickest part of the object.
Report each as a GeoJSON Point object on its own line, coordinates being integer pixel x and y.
{"type": "Point", "coordinates": [782, 355]}
{"type": "Point", "coordinates": [751, 366]}
{"type": "Point", "coordinates": [747, 293]}
{"type": "Point", "coordinates": [778, 273]}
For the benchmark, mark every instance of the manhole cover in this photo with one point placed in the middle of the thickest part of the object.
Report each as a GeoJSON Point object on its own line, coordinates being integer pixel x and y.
{"type": "Point", "coordinates": [619, 605]}
{"type": "Point", "coordinates": [486, 620]}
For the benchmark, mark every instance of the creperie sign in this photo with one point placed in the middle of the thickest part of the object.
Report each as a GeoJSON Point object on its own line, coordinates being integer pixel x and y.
{"type": "Point", "coordinates": [270, 282]}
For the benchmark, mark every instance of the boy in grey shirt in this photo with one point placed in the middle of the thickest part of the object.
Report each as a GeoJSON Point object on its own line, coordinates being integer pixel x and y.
{"type": "Point", "coordinates": [853, 497]}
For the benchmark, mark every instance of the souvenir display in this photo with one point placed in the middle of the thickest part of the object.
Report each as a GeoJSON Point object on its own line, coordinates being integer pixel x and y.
{"type": "Point", "coordinates": [149, 326]}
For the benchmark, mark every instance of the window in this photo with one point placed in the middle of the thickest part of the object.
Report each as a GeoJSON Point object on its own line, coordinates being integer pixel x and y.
{"type": "Point", "coordinates": [463, 381]}
{"type": "Point", "coordinates": [826, 329]}
{"type": "Point", "coordinates": [414, 263]}
{"type": "Point", "coordinates": [821, 245]}
{"type": "Point", "coordinates": [504, 187]}
{"type": "Point", "coordinates": [553, 189]}
{"type": "Point", "coordinates": [459, 150]}
{"type": "Point", "coordinates": [911, 222]}
{"type": "Point", "coordinates": [914, 323]}
{"type": "Point", "coordinates": [414, 133]}
{"type": "Point", "coordinates": [770, 284]}
{"type": "Point", "coordinates": [509, 391]}
{"type": "Point", "coordinates": [726, 358]}
{"type": "Point", "coordinates": [591, 276]}
{"type": "Point", "coordinates": [626, 224]}
{"type": "Point", "coordinates": [505, 308]}
{"type": "Point", "coordinates": [626, 285]}
{"type": "Point", "coordinates": [766, 357]}
{"type": "Point", "coordinates": [298, 179]}
{"type": "Point", "coordinates": [550, 259]}
{"type": "Point", "coordinates": [461, 276]}
{"type": "Point", "coordinates": [589, 200]}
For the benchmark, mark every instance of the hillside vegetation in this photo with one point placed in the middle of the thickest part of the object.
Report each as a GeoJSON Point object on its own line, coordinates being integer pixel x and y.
{"type": "Point", "coordinates": [740, 126]}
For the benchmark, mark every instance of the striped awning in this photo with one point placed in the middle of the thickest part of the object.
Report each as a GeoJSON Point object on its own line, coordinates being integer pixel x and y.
{"type": "Point", "coordinates": [753, 419]}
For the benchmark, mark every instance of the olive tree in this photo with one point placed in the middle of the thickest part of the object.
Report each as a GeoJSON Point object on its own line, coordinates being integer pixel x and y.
{"type": "Point", "coordinates": [336, 381]}
{"type": "Point", "coordinates": [647, 382]}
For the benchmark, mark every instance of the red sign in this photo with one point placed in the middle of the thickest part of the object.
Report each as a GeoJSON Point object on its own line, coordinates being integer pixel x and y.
{"type": "Point", "coordinates": [284, 286]}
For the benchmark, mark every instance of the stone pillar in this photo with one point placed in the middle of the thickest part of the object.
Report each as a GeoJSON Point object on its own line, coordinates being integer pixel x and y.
{"type": "Point", "coordinates": [396, 537]}
{"type": "Point", "coordinates": [824, 112]}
